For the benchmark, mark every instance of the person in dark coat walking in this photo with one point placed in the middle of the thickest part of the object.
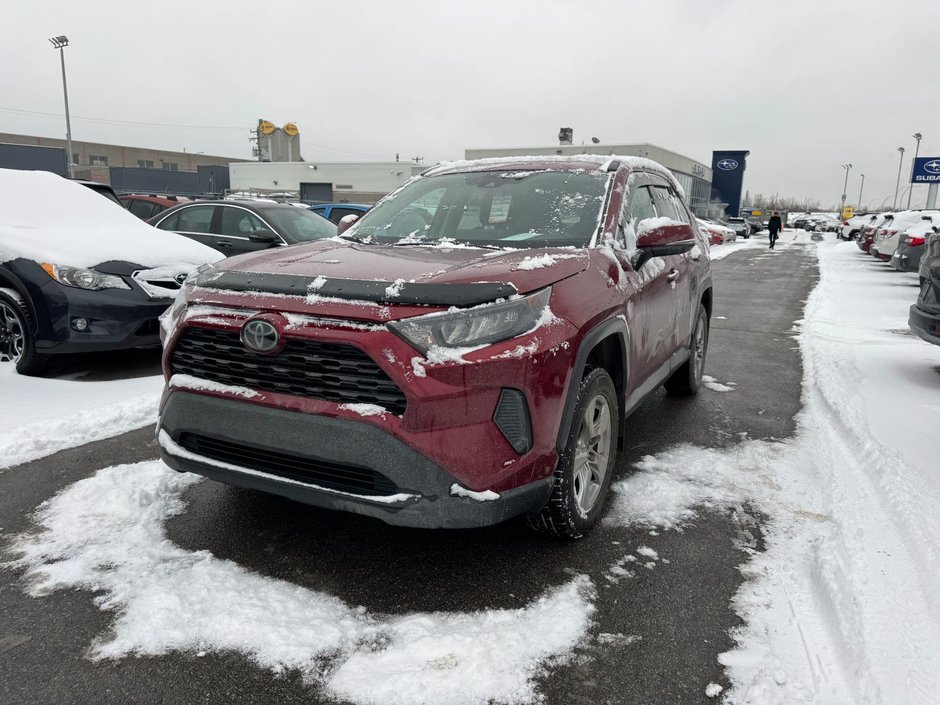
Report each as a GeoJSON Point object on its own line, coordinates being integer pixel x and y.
{"type": "Point", "coordinates": [775, 226]}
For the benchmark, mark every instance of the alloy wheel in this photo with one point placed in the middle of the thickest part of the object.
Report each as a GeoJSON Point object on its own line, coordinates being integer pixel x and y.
{"type": "Point", "coordinates": [698, 348]}
{"type": "Point", "coordinates": [12, 334]}
{"type": "Point", "coordinates": [592, 453]}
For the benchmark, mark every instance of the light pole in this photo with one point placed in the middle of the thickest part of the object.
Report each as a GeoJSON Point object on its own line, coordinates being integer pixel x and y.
{"type": "Point", "coordinates": [845, 186]}
{"type": "Point", "coordinates": [60, 43]}
{"type": "Point", "coordinates": [860, 188]}
{"type": "Point", "coordinates": [917, 136]}
{"type": "Point", "coordinates": [897, 186]}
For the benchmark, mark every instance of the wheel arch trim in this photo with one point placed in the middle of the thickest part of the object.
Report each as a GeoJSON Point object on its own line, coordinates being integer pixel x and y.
{"type": "Point", "coordinates": [612, 327]}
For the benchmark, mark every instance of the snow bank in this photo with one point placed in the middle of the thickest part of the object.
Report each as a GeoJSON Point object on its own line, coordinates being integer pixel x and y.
{"type": "Point", "coordinates": [106, 534]}
{"type": "Point", "coordinates": [46, 218]}
{"type": "Point", "coordinates": [39, 416]}
{"type": "Point", "coordinates": [842, 605]}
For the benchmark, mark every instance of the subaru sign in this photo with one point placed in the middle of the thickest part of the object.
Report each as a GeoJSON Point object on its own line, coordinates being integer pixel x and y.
{"type": "Point", "coordinates": [926, 170]}
{"type": "Point", "coordinates": [728, 178]}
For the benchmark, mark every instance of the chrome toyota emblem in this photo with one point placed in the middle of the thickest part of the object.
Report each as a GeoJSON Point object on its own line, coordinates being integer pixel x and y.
{"type": "Point", "coordinates": [260, 336]}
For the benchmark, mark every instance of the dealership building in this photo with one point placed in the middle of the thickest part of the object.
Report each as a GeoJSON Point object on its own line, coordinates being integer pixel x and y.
{"type": "Point", "coordinates": [695, 177]}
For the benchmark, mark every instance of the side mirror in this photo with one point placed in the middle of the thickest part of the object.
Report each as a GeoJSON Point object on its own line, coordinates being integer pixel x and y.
{"type": "Point", "coordinates": [345, 223]}
{"type": "Point", "coordinates": [665, 237]}
{"type": "Point", "coordinates": [265, 237]}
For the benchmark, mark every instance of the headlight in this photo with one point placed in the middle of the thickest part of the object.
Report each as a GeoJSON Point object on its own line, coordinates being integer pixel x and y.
{"type": "Point", "coordinates": [483, 325]}
{"type": "Point", "coordinates": [84, 278]}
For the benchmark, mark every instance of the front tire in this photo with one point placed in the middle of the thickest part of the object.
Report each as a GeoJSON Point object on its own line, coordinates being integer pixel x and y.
{"type": "Point", "coordinates": [687, 380]}
{"type": "Point", "coordinates": [16, 336]}
{"type": "Point", "coordinates": [585, 467]}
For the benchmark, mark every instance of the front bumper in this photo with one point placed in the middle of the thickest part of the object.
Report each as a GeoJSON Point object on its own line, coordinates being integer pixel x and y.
{"type": "Point", "coordinates": [423, 495]}
{"type": "Point", "coordinates": [117, 319]}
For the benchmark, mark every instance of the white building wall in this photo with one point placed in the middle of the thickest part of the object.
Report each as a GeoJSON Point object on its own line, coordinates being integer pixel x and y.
{"type": "Point", "coordinates": [353, 177]}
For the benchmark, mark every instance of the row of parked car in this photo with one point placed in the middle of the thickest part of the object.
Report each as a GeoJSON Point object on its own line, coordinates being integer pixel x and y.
{"type": "Point", "coordinates": [898, 238]}
{"type": "Point", "coordinates": [147, 206]}
{"type": "Point", "coordinates": [910, 242]}
{"type": "Point", "coordinates": [815, 222]}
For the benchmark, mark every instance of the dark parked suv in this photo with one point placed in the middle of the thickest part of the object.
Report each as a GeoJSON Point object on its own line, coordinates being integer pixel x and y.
{"type": "Point", "coordinates": [466, 352]}
{"type": "Point", "coordinates": [924, 318]}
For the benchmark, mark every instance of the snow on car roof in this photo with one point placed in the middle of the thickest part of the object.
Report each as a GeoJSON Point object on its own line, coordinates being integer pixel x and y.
{"type": "Point", "coordinates": [46, 218]}
{"type": "Point", "coordinates": [574, 162]}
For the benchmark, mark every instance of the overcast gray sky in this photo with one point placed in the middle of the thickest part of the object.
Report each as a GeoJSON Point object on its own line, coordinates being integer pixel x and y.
{"type": "Point", "coordinates": [805, 85]}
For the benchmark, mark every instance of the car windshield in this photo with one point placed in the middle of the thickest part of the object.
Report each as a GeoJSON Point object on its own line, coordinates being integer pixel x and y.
{"type": "Point", "coordinates": [299, 225]}
{"type": "Point", "coordinates": [518, 209]}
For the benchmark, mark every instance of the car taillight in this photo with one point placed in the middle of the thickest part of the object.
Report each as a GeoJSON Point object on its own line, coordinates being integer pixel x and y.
{"type": "Point", "coordinates": [915, 241]}
{"type": "Point", "coordinates": [892, 233]}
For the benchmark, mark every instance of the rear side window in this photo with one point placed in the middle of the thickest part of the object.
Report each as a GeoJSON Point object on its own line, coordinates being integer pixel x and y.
{"type": "Point", "coordinates": [338, 214]}
{"type": "Point", "coordinates": [195, 220]}
{"type": "Point", "coordinates": [170, 222]}
{"type": "Point", "coordinates": [143, 209]}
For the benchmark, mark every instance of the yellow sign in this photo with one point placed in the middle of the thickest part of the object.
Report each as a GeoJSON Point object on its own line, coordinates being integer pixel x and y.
{"type": "Point", "coordinates": [848, 212]}
{"type": "Point", "coordinates": [290, 129]}
{"type": "Point", "coordinates": [757, 212]}
{"type": "Point", "coordinates": [265, 127]}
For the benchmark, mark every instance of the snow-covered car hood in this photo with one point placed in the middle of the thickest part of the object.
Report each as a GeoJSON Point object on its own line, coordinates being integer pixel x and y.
{"type": "Point", "coordinates": [46, 218]}
{"type": "Point", "coordinates": [525, 269]}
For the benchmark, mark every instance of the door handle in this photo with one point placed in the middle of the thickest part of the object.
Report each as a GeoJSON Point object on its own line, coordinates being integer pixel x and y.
{"type": "Point", "coordinates": [673, 275]}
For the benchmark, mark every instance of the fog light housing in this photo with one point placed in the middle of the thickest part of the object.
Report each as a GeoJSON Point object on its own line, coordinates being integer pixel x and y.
{"type": "Point", "coordinates": [80, 324]}
{"type": "Point", "coordinates": [512, 419]}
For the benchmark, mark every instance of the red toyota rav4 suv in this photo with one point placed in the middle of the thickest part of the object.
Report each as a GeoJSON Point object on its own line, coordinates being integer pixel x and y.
{"type": "Point", "coordinates": [465, 352]}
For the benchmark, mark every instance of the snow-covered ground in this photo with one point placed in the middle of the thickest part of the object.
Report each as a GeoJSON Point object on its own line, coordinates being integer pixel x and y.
{"type": "Point", "coordinates": [843, 606]}
{"type": "Point", "coordinates": [40, 416]}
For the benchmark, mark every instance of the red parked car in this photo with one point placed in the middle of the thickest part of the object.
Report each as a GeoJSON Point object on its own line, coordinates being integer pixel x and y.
{"type": "Point", "coordinates": [465, 352]}
{"type": "Point", "coordinates": [146, 207]}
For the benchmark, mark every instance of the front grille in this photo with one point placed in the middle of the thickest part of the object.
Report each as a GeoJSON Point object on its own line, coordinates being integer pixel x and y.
{"type": "Point", "coordinates": [331, 371]}
{"type": "Point", "coordinates": [323, 473]}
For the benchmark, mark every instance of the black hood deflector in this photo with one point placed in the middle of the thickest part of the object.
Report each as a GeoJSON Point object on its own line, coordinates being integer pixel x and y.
{"type": "Point", "coordinates": [360, 289]}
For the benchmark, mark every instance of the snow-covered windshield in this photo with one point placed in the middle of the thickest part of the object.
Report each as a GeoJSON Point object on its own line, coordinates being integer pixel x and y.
{"type": "Point", "coordinates": [503, 209]}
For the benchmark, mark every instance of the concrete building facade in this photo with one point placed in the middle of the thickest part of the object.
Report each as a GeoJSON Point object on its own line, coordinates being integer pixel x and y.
{"type": "Point", "coordinates": [93, 159]}
{"type": "Point", "coordinates": [694, 176]}
{"type": "Point", "coordinates": [343, 182]}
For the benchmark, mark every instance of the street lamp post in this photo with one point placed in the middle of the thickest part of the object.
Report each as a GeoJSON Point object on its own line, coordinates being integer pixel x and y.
{"type": "Point", "coordinates": [845, 186]}
{"type": "Point", "coordinates": [897, 186]}
{"type": "Point", "coordinates": [917, 136]}
{"type": "Point", "coordinates": [860, 188]}
{"type": "Point", "coordinates": [60, 43]}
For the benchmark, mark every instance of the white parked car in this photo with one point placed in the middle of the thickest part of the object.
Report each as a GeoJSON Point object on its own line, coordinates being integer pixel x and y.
{"type": "Point", "coordinates": [727, 234]}
{"type": "Point", "coordinates": [887, 236]}
{"type": "Point", "coordinates": [852, 226]}
{"type": "Point", "coordinates": [740, 227]}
